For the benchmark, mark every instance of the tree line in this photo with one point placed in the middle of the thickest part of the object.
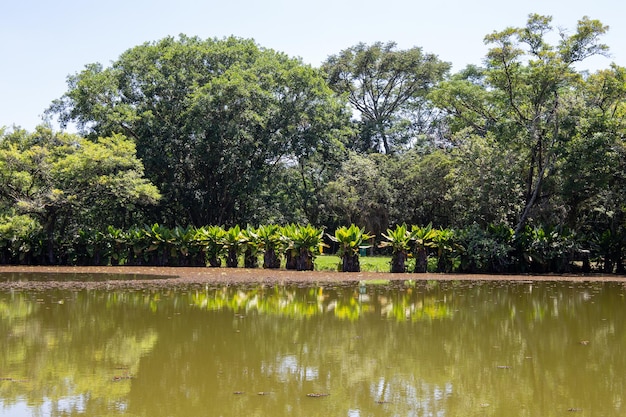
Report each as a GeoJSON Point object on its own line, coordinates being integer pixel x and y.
{"type": "Point", "coordinates": [186, 131]}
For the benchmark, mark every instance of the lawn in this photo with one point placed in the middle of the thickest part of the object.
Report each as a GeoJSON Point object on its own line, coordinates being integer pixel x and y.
{"type": "Point", "coordinates": [368, 263]}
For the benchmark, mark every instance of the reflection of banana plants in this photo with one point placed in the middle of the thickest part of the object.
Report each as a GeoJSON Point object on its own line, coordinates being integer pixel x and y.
{"type": "Point", "coordinates": [302, 244]}
{"type": "Point", "coordinates": [399, 240]}
{"type": "Point", "coordinates": [425, 308]}
{"type": "Point", "coordinates": [423, 240]}
{"type": "Point", "coordinates": [298, 302]}
{"type": "Point", "coordinates": [350, 240]}
{"type": "Point", "coordinates": [269, 244]}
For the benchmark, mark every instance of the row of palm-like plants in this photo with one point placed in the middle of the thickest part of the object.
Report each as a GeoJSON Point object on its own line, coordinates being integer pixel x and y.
{"type": "Point", "coordinates": [157, 245]}
{"type": "Point", "coordinates": [495, 249]}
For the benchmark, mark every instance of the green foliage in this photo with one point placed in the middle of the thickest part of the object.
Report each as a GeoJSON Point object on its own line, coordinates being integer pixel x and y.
{"type": "Point", "coordinates": [223, 115]}
{"type": "Point", "coordinates": [269, 238]}
{"type": "Point", "coordinates": [399, 240]}
{"type": "Point", "coordinates": [548, 249]}
{"type": "Point", "coordinates": [67, 182]}
{"type": "Point", "coordinates": [21, 239]}
{"type": "Point", "coordinates": [213, 240]}
{"type": "Point", "coordinates": [301, 245]}
{"type": "Point", "coordinates": [351, 240]}
{"type": "Point", "coordinates": [360, 193]}
{"type": "Point", "coordinates": [525, 103]}
{"type": "Point", "coordinates": [487, 250]}
{"type": "Point", "coordinates": [388, 88]}
{"type": "Point", "coordinates": [608, 248]}
{"type": "Point", "coordinates": [234, 240]}
{"type": "Point", "coordinates": [448, 250]}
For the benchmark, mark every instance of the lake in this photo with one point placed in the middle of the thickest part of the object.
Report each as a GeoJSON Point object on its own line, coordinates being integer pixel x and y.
{"type": "Point", "coordinates": [406, 348]}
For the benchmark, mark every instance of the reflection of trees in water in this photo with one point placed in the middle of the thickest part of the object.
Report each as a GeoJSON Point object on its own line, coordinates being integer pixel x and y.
{"type": "Point", "coordinates": [59, 358]}
{"type": "Point", "coordinates": [455, 348]}
{"type": "Point", "coordinates": [345, 302]}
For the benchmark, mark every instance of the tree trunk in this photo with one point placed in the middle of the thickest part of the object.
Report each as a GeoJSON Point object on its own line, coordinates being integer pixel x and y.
{"type": "Point", "coordinates": [351, 263]}
{"type": "Point", "coordinates": [421, 261]}
{"type": "Point", "coordinates": [530, 203]}
{"type": "Point", "coordinates": [304, 260]}
{"type": "Point", "coordinates": [291, 262]}
{"type": "Point", "coordinates": [398, 262]}
{"type": "Point", "coordinates": [271, 259]}
{"type": "Point", "coordinates": [232, 259]}
{"type": "Point", "coordinates": [48, 256]}
{"type": "Point", "coordinates": [215, 262]}
{"type": "Point", "coordinates": [250, 260]}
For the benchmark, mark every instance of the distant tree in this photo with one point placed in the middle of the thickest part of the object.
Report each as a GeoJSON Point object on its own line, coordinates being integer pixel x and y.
{"type": "Point", "coordinates": [65, 181]}
{"type": "Point", "coordinates": [388, 88]}
{"type": "Point", "coordinates": [360, 193]}
{"type": "Point", "coordinates": [420, 187]}
{"type": "Point", "coordinates": [214, 121]}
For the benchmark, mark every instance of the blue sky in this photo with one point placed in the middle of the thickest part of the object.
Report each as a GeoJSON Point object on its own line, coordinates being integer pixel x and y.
{"type": "Point", "coordinates": [42, 41]}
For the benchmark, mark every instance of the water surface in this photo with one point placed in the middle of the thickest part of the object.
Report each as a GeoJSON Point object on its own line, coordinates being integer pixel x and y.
{"type": "Point", "coordinates": [403, 349]}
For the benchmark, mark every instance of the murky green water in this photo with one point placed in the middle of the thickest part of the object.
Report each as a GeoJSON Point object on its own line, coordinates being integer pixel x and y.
{"type": "Point", "coordinates": [428, 349]}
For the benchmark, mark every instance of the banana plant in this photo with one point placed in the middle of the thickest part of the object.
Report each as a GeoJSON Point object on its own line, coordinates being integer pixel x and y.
{"type": "Point", "coordinates": [302, 244]}
{"type": "Point", "coordinates": [187, 250]}
{"type": "Point", "coordinates": [161, 239]}
{"type": "Point", "coordinates": [211, 238]}
{"type": "Point", "coordinates": [136, 243]}
{"type": "Point", "coordinates": [399, 240]}
{"type": "Point", "coordinates": [350, 240]}
{"type": "Point", "coordinates": [233, 243]}
{"type": "Point", "coordinates": [286, 237]}
{"type": "Point", "coordinates": [269, 244]}
{"type": "Point", "coordinates": [423, 241]}
{"type": "Point", "coordinates": [251, 247]}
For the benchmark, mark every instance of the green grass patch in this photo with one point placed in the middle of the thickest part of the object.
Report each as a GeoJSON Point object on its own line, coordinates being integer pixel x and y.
{"type": "Point", "coordinates": [368, 263]}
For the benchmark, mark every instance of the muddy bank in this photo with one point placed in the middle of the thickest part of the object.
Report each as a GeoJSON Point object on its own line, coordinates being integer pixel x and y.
{"type": "Point", "coordinates": [14, 277]}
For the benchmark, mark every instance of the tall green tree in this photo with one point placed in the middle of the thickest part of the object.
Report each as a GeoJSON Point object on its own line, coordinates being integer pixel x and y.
{"type": "Point", "coordinates": [67, 182]}
{"type": "Point", "coordinates": [524, 100]}
{"type": "Point", "coordinates": [388, 87]}
{"type": "Point", "coordinates": [213, 120]}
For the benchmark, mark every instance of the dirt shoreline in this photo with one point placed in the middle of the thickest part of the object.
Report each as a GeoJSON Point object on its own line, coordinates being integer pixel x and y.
{"type": "Point", "coordinates": [170, 277]}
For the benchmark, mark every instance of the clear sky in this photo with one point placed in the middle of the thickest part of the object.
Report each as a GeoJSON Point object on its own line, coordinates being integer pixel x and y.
{"type": "Point", "coordinates": [43, 41]}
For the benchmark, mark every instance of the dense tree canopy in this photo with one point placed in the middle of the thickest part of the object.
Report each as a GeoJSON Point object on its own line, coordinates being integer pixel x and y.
{"type": "Point", "coordinates": [64, 181]}
{"type": "Point", "coordinates": [213, 120]}
{"type": "Point", "coordinates": [526, 103]}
